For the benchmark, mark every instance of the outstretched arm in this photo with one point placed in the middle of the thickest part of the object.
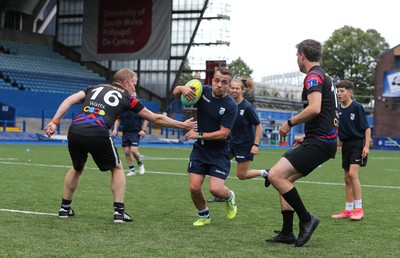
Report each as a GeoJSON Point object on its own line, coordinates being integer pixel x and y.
{"type": "Point", "coordinates": [62, 110]}
{"type": "Point", "coordinates": [165, 121]}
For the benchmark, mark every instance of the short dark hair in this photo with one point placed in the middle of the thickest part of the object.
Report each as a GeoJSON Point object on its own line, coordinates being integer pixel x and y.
{"type": "Point", "coordinates": [311, 49]}
{"type": "Point", "coordinates": [224, 71]}
{"type": "Point", "coordinates": [348, 85]}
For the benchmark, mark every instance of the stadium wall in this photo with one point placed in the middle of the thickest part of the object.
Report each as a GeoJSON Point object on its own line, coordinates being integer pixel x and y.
{"type": "Point", "coordinates": [32, 104]}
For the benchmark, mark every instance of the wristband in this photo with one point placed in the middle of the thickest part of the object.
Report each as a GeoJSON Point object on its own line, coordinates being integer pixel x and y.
{"type": "Point", "coordinates": [55, 122]}
{"type": "Point", "coordinates": [255, 144]}
{"type": "Point", "coordinates": [289, 122]}
{"type": "Point", "coordinates": [200, 137]}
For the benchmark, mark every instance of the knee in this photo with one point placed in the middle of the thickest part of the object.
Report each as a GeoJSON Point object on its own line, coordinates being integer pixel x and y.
{"type": "Point", "coordinates": [347, 180]}
{"type": "Point", "coordinates": [273, 178]}
{"type": "Point", "coordinates": [194, 188]}
{"type": "Point", "coordinates": [215, 191]}
{"type": "Point", "coordinates": [242, 176]}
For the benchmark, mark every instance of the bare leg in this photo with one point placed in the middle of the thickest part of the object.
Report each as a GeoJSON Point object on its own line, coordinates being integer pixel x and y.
{"type": "Point", "coordinates": [118, 183]}
{"type": "Point", "coordinates": [128, 157]}
{"type": "Point", "coordinates": [355, 181]}
{"type": "Point", "coordinates": [71, 183]}
{"type": "Point", "coordinates": [243, 172]}
{"type": "Point", "coordinates": [218, 188]}
{"type": "Point", "coordinates": [197, 194]}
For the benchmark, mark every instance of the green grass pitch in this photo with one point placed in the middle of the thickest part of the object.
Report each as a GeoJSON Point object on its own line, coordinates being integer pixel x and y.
{"type": "Point", "coordinates": [31, 184]}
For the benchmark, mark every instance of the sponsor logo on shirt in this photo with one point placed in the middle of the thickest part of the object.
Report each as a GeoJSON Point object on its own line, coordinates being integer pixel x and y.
{"type": "Point", "coordinates": [205, 98]}
{"type": "Point", "coordinates": [94, 110]}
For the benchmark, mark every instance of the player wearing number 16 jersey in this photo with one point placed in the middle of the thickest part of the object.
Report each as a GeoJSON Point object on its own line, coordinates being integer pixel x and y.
{"type": "Point", "coordinates": [89, 133]}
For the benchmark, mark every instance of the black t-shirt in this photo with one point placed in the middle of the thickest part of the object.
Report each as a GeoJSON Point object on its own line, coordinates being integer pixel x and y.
{"type": "Point", "coordinates": [325, 125]}
{"type": "Point", "coordinates": [103, 104]}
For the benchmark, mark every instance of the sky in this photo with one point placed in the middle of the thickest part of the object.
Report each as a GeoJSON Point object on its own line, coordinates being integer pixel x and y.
{"type": "Point", "coordinates": [264, 33]}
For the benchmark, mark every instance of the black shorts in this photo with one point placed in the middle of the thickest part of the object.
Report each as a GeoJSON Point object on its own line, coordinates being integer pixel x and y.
{"type": "Point", "coordinates": [310, 154]}
{"type": "Point", "coordinates": [130, 139]}
{"type": "Point", "coordinates": [242, 154]}
{"type": "Point", "coordinates": [351, 153]}
{"type": "Point", "coordinates": [102, 149]}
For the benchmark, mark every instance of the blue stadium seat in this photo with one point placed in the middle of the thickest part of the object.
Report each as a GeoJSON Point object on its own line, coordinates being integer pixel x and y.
{"type": "Point", "coordinates": [40, 68]}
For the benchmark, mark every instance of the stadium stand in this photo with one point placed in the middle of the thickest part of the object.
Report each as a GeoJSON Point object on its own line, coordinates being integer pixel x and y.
{"type": "Point", "coordinates": [40, 68]}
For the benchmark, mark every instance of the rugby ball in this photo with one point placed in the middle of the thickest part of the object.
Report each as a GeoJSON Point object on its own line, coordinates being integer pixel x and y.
{"type": "Point", "coordinates": [196, 87]}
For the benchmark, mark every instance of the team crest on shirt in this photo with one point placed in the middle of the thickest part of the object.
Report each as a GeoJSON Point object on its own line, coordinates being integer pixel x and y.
{"type": "Point", "coordinates": [352, 116]}
{"type": "Point", "coordinates": [241, 112]}
{"type": "Point", "coordinates": [221, 111]}
{"type": "Point", "coordinates": [312, 82]}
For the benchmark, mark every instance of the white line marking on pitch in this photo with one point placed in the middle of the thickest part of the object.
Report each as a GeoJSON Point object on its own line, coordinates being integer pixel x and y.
{"type": "Point", "coordinates": [30, 212]}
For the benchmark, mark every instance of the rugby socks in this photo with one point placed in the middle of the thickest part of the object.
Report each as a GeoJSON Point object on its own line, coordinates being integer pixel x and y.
{"type": "Point", "coordinates": [263, 173]}
{"type": "Point", "coordinates": [204, 213]}
{"type": "Point", "coordinates": [292, 197]}
{"type": "Point", "coordinates": [140, 163]}
{"type": "Point", "coordinates": [287, 226]}
{"type": "Point", "coordinates": [349, 206]}
{"type": "Point", "coordinates": [132, 168]}
{"type": "Point", "coordinates": [230, 196]}
{"type": "Point", "coordinates": [119, 207]}
{"type": "Point", "coordinates": [66, 204]}
{"type": "Point", "coordinates": [358, 204]}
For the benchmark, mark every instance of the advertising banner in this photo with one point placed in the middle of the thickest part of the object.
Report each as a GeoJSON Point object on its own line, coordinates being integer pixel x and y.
{"type": "Point", "coordinates": [126, 30]}
{"type": "Point", "coordinates": [391, 84]}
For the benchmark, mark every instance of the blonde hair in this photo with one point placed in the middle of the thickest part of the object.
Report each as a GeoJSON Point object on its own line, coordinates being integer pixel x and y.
{"type": "Point", "coordinates": [124, 74]}
{"type": "Point", "coordinates": [245, 82]}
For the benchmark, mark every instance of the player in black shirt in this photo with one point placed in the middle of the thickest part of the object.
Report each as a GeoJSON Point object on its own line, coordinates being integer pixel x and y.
{"type": "Point", "coordinates": [318, 145]}
{"type": "Point", "coordinates": [90, 133]}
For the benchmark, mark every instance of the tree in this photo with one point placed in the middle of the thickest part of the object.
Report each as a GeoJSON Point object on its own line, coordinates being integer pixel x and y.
{"type": "Point", "coordinates": [351, 54]}
{"type": "Point", "coordinates": [240, 68]}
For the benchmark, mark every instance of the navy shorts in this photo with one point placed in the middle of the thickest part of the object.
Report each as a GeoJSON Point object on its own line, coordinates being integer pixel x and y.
{"type": "Point", "coordinates": [102, 149]}
{"type": "Point", "coordinates": [242, 154]}
{"type": "Point", "coordinates": [310, 154]}
{"type": "Point", "coordinates": [130, 139]}
{"type": "Point", "coordinates": [206, 163]}
{"type": "Point", "coordinates": [351, 153]}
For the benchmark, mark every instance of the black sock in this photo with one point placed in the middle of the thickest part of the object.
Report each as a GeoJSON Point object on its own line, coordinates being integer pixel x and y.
{"type": "Point", "coordinates": [204, 213]}
{"type": "Point", "coordinates": [287, 226]}
{"type": "Point", "coordinates": [132, 168]}
{"type": "Point", "coordinates": [293, 199]}
{"type": "Point", "coordinates": [140, 163]}
{"type": "Point", "coordinates": [119, 207]}
{"type": "Point", "coordinates": [66, 204]}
